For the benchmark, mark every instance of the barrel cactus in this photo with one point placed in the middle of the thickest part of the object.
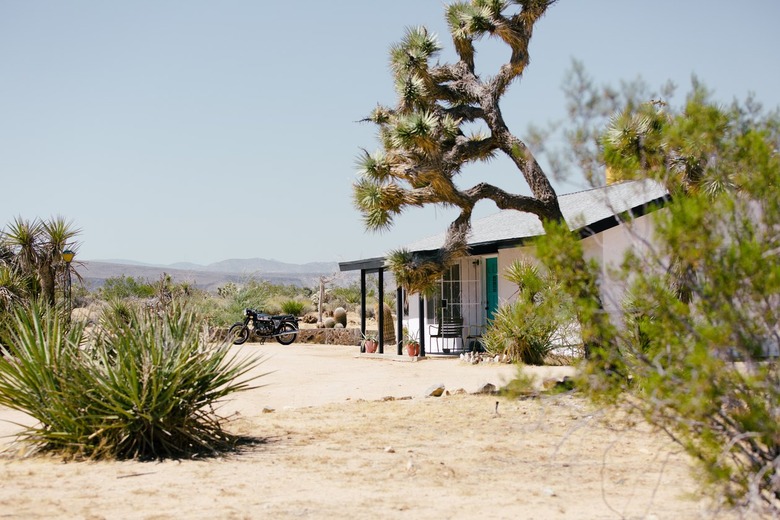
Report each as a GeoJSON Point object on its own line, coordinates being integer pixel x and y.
{"type": "Point", "coordinates": [340, 315]}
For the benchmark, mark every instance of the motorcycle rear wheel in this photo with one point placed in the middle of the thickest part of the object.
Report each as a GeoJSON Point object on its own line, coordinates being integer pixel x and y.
{"type": "Point", "coordinates": [289, 333]}
{"type": "Point", "coordinates": [238, 333]}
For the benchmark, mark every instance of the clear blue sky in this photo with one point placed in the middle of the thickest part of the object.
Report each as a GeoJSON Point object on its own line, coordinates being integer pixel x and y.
{"type": "Point", "coordinates": [193, 130]}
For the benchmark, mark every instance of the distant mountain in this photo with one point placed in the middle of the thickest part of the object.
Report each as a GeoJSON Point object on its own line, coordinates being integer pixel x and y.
{"type": "Point", "coordinates": [239, 266]}
{"type": "Point", "coordinates": [210, 277]}
{"type": "Point", "coordinates": [261, 265]}
{"type": "Point", "coordinates": [187, 266]}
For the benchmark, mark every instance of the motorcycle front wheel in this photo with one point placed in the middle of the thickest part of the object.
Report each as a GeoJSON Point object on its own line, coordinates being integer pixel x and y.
{"type": "Point", "coordinates": [238, 333]}
{"type": "Point", "coordinates": [288, 333]}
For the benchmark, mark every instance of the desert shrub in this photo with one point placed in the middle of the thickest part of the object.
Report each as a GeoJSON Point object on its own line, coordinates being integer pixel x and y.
{"type": "Point", "coordinates": [120, 311]}
{"type": "Point", "coordinates": [523, 385]}
{"type": "Point", "coordinates": [680, 354]}
{"type": "Point", "coordinates": [348, 296]}
{"type": "Point", "coordinates": [206, 305]}
{"type": "Point", "coordinates": [254, 295]}
{"type": "Point", "coordinates": [273, 305]}
{"type": "Point", "coordinates": [228, 290]}
{"type": "Point", "coordinates": [531, 326]}
{"type": "Point", "coordinates": [370, 311]}
{"type": "Point", "coordinates": [126, 287]}
{"type": "Point", "coordinates": [294, 307]}
{"type": "Point", "coordinates": [145, 388]}
{"type": "Point", "coordinates": [694, 349]}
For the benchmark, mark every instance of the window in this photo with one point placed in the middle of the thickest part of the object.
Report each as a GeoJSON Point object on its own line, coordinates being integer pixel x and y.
{"type": "Point", "coordinates": [446, 298]}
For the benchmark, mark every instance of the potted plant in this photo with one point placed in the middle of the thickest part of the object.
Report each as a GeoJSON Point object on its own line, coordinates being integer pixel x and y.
{"type": "Point", "coordinates": [370, 342]}
{"type": "Point", "coordinates": [412, 345]}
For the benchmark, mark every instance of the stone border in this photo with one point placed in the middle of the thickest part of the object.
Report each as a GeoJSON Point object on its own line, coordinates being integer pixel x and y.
{"type": "Point", "coordinates": [330, 336]}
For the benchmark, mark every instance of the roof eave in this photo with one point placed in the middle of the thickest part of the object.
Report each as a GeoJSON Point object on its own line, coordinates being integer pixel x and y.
{"type": "Point", "coordinates": [363, 265]}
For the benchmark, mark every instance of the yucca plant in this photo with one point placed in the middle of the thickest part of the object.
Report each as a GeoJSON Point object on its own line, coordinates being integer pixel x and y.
{"type": "Point", "coordinates": [144, 388]}
{"type": "Point", "coordinates": [294, 307]}
{"type": "Point", "coordinates": [526, 329]}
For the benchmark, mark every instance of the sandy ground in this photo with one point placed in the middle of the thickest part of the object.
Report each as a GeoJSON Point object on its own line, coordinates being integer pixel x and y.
{"type": "Point", "coordinates": [343, 441]}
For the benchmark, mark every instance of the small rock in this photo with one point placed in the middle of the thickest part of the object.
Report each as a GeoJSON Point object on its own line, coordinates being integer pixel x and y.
{"type": "Point", "coordinates": [268, 410]}
{"type": "Point", "coordinates": [487, 388]}
{"type": "Point", "coordinates": [389, 449]}
{"type": "Point", "coordinates": [435, 390]}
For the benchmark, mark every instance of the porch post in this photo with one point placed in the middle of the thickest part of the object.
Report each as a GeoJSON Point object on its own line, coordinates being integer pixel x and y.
{"type": "Point", "coordinates": [362, 307]}
{"type": "Point", "coordinates": [399, 313]}
{"type": "Point", "coordinates": [421, 321]}
{"type": "Point", "coordinates": [381, 309]}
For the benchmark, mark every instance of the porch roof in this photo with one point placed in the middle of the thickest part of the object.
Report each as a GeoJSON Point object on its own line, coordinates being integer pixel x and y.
{"type": "Point", "coordinates": [363, 265]}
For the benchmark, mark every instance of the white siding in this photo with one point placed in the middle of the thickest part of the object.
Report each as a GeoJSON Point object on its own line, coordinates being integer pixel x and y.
{"type": "Point", "coordinates": [615, 243]}
{"type": "Point", "coordinates": [506, 289]}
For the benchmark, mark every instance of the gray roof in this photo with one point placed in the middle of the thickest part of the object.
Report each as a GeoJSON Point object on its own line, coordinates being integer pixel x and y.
{"type": "Point", "coordinates": [581, 210]}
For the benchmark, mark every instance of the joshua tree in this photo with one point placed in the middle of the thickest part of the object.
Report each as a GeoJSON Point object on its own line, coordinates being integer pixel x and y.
{"type": "Point", "coordinates": [425, 143]}
{"type": "Point", "coordinates": [33, 251]}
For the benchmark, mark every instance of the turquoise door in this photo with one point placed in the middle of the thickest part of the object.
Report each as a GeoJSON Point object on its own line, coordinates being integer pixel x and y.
{"type": "Point", "coordinates": [491, 286]}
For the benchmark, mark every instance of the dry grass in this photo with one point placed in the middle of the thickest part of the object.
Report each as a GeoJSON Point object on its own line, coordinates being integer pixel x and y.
{"type": "Point", "coordinates": [451, 457]}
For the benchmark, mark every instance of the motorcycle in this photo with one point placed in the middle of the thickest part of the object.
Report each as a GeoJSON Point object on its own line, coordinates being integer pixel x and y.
{"type": "Point", "coordinates": [283, 327]}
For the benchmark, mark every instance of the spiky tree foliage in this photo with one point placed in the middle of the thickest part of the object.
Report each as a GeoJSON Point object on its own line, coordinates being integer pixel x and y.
{"type": "Point", "coordinates": [33, 248]}
{"type": "Point", "coordinates": [12, 286]}
{"type": "Point", "coordinates": [424, 140]}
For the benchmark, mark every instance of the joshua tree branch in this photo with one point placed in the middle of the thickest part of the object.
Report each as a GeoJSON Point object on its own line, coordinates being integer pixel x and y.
{"type": "Point", "coordinates": [505, 200]}
{"type": "Point", "coordinates": [466, 112]}
{"type": "Point", "coordinates": [516, 32]}
{"type": "Point", "coordinates": [467, 149]}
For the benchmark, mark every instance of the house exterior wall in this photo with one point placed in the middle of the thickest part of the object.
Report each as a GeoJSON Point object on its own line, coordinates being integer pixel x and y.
{"type": "Point", "coordinates": [615, 243]}
{"type": "Point", "coordinates": [506, 289]}
{"type": "Point", "coordinates": [607, 247]}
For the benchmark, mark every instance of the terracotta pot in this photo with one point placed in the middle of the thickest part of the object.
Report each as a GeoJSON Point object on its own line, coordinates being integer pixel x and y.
{"type": "Point", "coordinates": [413, 349]}
{"type": "Point", "coordinates": [370, 346]}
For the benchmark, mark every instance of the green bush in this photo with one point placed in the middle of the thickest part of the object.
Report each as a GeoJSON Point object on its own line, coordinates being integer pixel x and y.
{"type": "Point", "coordinates": [527, 329]}
{"type": "Point", "coordinates": [348, 297]}
{"type": "Point", "coordinates": [127, 287]}
{"type": "Point", "coordinates": [294, 307]}
{"type": "Point", "coordinates": [694, 347]}
{"type": "Point", "coordinates": [144, 388]}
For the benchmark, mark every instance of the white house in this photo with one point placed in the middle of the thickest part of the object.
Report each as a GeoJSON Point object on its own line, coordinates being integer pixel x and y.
{"type": "Point", "coordinates": [609, 220]}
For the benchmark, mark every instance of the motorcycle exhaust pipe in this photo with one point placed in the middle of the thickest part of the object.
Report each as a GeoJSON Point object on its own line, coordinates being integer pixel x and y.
{"type": "Point", "coordinates": [283, 334]}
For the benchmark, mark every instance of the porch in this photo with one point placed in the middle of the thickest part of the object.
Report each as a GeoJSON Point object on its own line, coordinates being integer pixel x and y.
{"type": "Point", "coordinates": [448, 322]}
